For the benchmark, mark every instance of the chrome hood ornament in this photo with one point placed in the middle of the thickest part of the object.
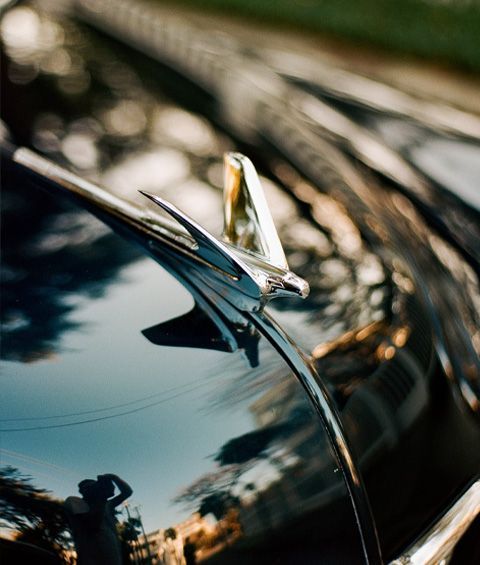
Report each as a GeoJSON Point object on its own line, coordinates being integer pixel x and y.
{"type": "Point", "coordinates": [247, 267]}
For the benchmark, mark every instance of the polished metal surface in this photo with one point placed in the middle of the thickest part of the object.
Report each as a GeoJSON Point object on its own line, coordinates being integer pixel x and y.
{"type": "Point", "coordinates": [367, 92]}
{"type": "Point", "coordinates": [438, 544]}
{"type": "Point", "coordinates": [217, 453]}
{"type": "Point", "coordinates": [248, 223]}
{"type": "Point", "coordinates": [325, 406]}
{"type": "Point", "coordinates": [252, 280]}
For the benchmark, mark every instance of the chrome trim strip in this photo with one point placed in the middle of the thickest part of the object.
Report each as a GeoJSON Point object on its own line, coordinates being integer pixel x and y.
{"type": "Point", "coordinates": [327, 411]}
{"type": "Point", "coordinates": [438, 544]}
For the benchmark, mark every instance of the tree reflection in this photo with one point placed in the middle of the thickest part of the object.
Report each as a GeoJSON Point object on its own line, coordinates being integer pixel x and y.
{"type": "Point", "coordinates": [281, 444]}
{"type": "Point", "coordinates": [213, 491]}
{"type": "Point", "coordinates": [218, 503]}
{"type": "Point", "coordinates": [32, 514]}
{"type": "Point", "coordinates": [249, 446]}
{"type": "Point", "coordinates": [52, 252]}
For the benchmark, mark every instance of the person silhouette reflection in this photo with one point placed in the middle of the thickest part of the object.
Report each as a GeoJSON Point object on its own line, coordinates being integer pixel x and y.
{"type": "Point", "coordinates": [92, 519]}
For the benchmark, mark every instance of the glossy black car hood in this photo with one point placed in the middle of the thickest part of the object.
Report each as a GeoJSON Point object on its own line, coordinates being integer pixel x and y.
{"type": "Point", "coordinates": [207, 441]}
{"type": "Point", "coordinates": [99, 378]}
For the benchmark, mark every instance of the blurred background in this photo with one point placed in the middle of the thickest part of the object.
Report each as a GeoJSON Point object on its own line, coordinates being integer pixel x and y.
{"type": "Point", "coordinates": [446, 31]}
{"type": "Point", "coordinates": [426, 46]}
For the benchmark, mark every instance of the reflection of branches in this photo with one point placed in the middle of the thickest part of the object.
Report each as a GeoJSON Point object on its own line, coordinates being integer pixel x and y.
{"type": "Point", "coordinates": [220, 479]}
{"type": "Point", "coordinates": [52, 253]}
{"type": "Point", "coordinates": [242, 386]}
{"type": "Point", "coordinates": [234, 457]}
{"type": "Point", "coordinates": [213, 492]}
{"type": "Point", "coordinates": [33, 515]}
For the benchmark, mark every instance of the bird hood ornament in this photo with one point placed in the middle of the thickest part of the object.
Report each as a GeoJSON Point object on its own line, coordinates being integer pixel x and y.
{"type": "Point", "coordinates": [247, 266]}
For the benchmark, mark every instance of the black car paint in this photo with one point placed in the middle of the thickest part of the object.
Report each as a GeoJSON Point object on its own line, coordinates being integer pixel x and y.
{"type": "Point", "coordinates": [407, 475]}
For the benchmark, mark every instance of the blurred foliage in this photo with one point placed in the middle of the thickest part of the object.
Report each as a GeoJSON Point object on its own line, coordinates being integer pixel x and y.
{"type": "Point", "coordinates": [32, 514]}
{"type": "Point", "coordinates": [443, 30]}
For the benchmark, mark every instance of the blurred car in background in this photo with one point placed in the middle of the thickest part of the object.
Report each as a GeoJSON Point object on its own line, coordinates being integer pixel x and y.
{"type": "Point", "coordinates": [140, 340]}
